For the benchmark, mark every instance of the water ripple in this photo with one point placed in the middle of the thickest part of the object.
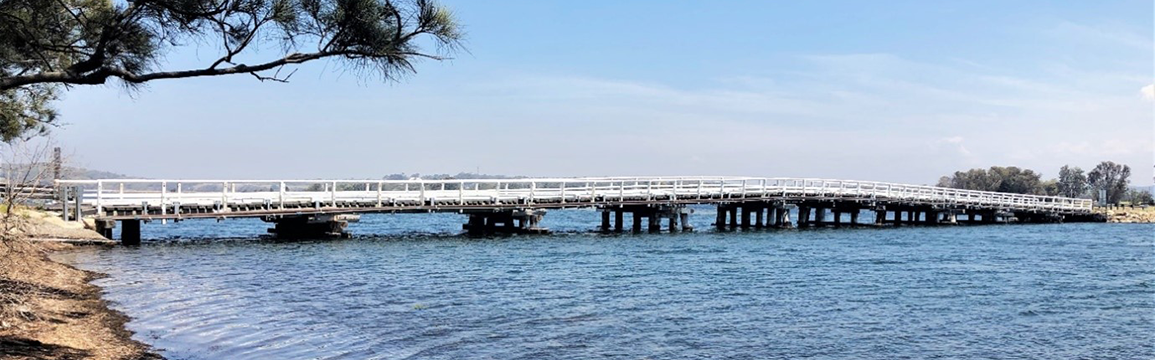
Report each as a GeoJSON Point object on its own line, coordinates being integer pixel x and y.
{"type": "Point", "coordinates": [1046, 291]}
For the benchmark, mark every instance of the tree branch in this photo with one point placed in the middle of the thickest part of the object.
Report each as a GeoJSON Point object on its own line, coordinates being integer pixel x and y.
{"type": "Point", "coordinates": [101, 75]}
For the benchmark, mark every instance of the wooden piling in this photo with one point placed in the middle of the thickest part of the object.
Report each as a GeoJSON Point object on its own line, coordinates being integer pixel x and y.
{"type": "Point", "coordinates": [130, 232]}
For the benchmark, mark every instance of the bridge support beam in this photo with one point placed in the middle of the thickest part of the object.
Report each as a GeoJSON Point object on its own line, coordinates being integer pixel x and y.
{"type": "Point", "coordinates": [129, 232]}
{"type": "Point", "coordinates": [605, 220]}
{"type": "Point", "coordinates": [311, 226]}
{"type": "Point", "coordinates": [758, 221]}
{"type": "Point", "coordinates": [618, 220]}
{"type": "Point", "coordinates": [854, 217]}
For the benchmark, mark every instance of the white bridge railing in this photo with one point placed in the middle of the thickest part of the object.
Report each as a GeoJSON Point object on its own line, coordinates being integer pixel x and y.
{"type": "Point", "coordinates": [273, 194]}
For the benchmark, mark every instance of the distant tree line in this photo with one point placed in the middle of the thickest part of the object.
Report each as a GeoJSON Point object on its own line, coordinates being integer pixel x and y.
{"type": "Point", "coordinates": [1107, 179]}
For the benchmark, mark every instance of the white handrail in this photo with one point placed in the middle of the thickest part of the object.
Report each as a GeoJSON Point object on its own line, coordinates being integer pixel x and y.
{"type": "Point", "coordinates": [537, 190]}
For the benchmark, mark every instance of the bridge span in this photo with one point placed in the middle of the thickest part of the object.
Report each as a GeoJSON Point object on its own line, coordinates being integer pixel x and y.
{"type": "Point", "coordinates": [310, 208]}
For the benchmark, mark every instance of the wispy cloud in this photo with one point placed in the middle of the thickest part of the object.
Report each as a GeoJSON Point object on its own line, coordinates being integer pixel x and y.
{"type": "Point", "coordinates": [994, 116]}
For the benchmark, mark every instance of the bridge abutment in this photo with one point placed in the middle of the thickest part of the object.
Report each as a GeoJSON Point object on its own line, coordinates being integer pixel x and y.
{"type": "Point", "coordinates": [104, 227]}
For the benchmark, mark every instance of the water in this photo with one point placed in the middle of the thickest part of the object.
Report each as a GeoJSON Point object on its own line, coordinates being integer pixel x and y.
{"type": "Point", "coordinates": [417, 290]}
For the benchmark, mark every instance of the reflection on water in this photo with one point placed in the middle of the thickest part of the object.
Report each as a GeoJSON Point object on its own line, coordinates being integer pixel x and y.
{"type": "Point", "coordinates": [417, 290]}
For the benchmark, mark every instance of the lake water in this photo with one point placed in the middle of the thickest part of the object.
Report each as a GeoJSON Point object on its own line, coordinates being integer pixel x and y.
{"type": "Point", "coordinates": [414, 289]}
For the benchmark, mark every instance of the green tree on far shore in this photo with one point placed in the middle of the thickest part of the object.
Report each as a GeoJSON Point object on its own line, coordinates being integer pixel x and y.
{"type": "Point", "coordinates": [1140, 197]}
{"type": "Point", "coordinates": [1072, 182]}
{"type": "Point", "coordinates": [1111, 178]}
{"type": "Point", "coordinates": [1008, 179]}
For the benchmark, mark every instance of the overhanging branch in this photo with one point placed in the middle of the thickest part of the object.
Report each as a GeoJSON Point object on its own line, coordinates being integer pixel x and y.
{"type": "Point", "coordinates": [101, 75]}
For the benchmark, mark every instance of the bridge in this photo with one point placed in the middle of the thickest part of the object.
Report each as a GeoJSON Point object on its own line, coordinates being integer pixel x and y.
{"type": "Point", "coordinates": [310, 208]}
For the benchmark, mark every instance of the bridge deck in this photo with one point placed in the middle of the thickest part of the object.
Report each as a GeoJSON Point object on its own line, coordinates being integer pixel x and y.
{"type": "Point", "coordinates": [117, 199]}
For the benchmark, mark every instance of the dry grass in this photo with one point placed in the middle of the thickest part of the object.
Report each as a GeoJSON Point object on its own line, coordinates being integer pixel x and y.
{"type": "Point", "coordinates": [49, 310]}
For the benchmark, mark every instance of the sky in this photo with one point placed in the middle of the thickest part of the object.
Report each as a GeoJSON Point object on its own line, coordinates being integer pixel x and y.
{"type": "Point", "coordinates": [903, 91]}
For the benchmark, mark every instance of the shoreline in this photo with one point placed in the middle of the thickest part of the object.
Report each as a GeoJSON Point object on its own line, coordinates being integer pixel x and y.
{"type": "Point", "coordinates": [51, 309]}
{"type": "Point", "coordinates": [1127, 215]}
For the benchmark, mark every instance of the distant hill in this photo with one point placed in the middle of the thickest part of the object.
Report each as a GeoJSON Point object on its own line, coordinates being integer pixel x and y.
{"type": "Point", "coordinates": [44, 173]}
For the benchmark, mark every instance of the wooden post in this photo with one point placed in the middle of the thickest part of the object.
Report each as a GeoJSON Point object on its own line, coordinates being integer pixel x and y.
{"type": "Point", "coordinates": [854, 217]}
{"type": "Point", "coordinates": [685, 219]}
{"type": "Point", "coordinates": [745, 216]}
{"type": "Point", "coordinates": [64, 203]}
{"type": "Point", "coordinates": [130, 232]}
{"type": "Point", "coordinates": [605, 220]}
{"type": "Point", "coordinates": [758, 221]}
{"type": "Point", "coordinates": [733, 216]}
{"type": "Point", "coordinates": [618, 220]}
{"type": "Point", "coordinates": [720, 219]}
{"type": "Point", "coordinates": [637, 226]}
{"type": "Point", "coordinates": [57, 163]}
{"type": "Point", "coordinates": [77, 195]}
{"type": "Point", "coordinates": [879, 217]}
{"type": "Point", "coordinates": [673, 222]}
{"type": "Point", "coordinates": [655, 223]}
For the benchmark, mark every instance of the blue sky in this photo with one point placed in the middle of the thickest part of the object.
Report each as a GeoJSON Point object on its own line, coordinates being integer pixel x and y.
{"type": "Point", "coordinates": [895, 91]}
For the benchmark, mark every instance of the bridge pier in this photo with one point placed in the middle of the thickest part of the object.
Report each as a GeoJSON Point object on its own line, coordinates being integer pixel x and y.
{"type": "Point", "coordinates": [618, 220]}
{"type": "Point", "coordinates": [653, 215]}
{"type": "Point", "coordinates": [758, 221]}
{"type": "Point", "coordinates": [505, 222]}
{"type": "Point", "coordinates": [129, 232]}
{"type": "Point", "coordinates": [310, 226]}
{"type": "Point", "coordinates": [605, 220]}
{"type": "Point", "coordinates": [854, 217]}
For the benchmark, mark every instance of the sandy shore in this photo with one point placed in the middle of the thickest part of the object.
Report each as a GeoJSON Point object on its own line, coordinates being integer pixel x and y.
{"type": "Point", "coordinates": [49, 310]}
